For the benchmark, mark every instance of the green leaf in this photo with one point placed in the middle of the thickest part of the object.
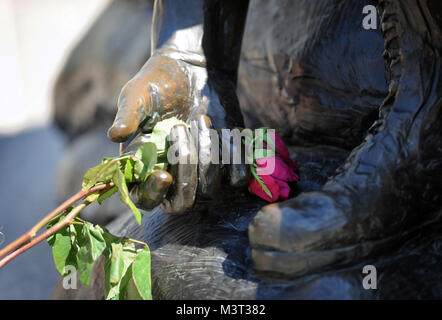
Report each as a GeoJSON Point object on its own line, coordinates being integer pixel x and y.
{"type": "Point", "coordinates": [93, 196]}
{"type": "Point", "coordinates": [160, 167]}
{"type": "Point", "coordinates": [64, 244]}
{"type": "Point", "coordinates": [162, 157]}
{"type": "Point", "coordinates": [107, 194]}
{"type": "Point", "coordinates": [51, 238]}
{"type": "Point", "coordinates": [118, 270]}
{"type": "Point", "coordinates": [63, 251]}
{"type": "Point", "coordinates": [129, 255]}
{"type": "Point", "coordinates": [261, 183]}
{"type": "Point", "coordinates": [117, 263]}
{"type": "Point", "coordinates": [147, 154]}
{"type": "Point", "coordinates": [99, 174]}
{"type": "Point", "coordinates": [162, 130]}
{"type": "Point", "coordinates": [132, 292]}
{"type": "Point", "coordinates": [106, 160]}
{"type": "Point", "coordinates": [129, 170]}
{"type": "Point", "coordinates": [161, 161]}
{"type": "Point", "coordinates": [92, 245]}
{"type": "Point", "coordinates": [120, 182]}
{"type": "Point", "coordinates": [109, 238]}
{"type": "Point", "coordinates": [141, 274]}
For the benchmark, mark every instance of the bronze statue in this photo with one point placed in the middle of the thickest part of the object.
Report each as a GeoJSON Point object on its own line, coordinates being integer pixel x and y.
{"type": "Point", "coordinates": [363, 111]}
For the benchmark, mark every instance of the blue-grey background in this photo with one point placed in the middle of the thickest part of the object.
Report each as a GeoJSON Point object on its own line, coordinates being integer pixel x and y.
{"type": "Point", "coordinates": [52, 126]}
{"type": "Point", "coordinates": [28, 163]}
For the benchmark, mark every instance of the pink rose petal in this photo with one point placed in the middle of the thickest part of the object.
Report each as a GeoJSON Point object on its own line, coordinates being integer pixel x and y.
{"type": "Point", "coordinates": [281, 148]}
{"type": "Point", "coordinates": [266, 166]}
{"type": "Point", "coordinates": [284, 189]}
{"type": "Point", "coordinates": [273, 186]}
{"type": "Point", "coordinates": [277, 168]}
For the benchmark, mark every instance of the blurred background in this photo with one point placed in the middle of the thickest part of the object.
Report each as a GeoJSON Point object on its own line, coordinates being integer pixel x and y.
{"type": "Point", "coordinates": [63, 65]}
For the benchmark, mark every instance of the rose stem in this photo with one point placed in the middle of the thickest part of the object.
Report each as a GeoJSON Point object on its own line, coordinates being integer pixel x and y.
{"type": "Point", "coordinates": [61, 224]}
{"type": "Point", "coordinates": [33, 231]}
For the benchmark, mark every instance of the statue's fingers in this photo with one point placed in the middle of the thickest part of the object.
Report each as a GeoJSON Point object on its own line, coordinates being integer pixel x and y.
{"type": "Point", "coordinates": [183, 159]}
{"type": "Point", "coordinates": [131, 146]}
{"type": "Point", "coordinates": [207, 142]}
{"type": "Point", "coordinates": [239, 175]}
{"type": "Point", "coordinates": [238, 170]}
{"type": "Point", "coordinates": [132, 108]}
{"type": "Point", "coordinates": [151, 193]}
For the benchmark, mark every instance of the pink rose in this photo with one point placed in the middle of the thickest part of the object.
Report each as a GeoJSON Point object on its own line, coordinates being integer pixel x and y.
{"type": "Point", "coordinates": [270, 183]}
{"type": "Point", "coordinates": [277, 168]}
{"type": "Point", "coordinates": [273, 173]}
{"type": "Point", "coordinates": [284, 189]}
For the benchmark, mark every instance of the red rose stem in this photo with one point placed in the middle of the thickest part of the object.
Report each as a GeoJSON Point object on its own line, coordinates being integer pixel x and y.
{"type": "Point", "coordinates": [60, 209]}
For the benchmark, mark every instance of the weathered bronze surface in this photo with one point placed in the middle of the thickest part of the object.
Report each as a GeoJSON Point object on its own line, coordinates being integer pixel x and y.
{"type": "Point", "coordinates": [363, 108]}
